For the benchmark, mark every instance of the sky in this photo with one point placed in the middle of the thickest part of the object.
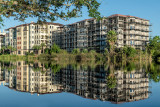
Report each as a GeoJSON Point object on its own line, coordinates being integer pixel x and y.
{"type": "Point", "coordinates": [147, 9]}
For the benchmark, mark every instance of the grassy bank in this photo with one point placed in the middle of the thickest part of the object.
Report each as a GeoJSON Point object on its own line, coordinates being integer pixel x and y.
{"type": "Point", "coordinates": [79, 57]}
{"type": "Point", "coordinates": [71, 57]}
{"type": "Point", "coordinates": [18, 58]}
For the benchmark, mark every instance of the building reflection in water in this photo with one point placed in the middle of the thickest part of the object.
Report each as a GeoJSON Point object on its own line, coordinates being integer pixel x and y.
{"type": "Point", "coordinates": [99, 83]}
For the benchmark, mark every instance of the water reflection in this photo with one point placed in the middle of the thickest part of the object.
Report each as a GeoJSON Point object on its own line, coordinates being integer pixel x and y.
{"type": "Point", "coordinates": [113, 83]}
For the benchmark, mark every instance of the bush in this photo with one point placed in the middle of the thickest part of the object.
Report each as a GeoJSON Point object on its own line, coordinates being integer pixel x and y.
{"type": "Point", "coordinates": [55, 49]}
{"type": "Point", "coordinates": [27, 53]}
{"type": "Point", "coordinates": [106, 52]}
{"type": "Point", "coordinates": [92, 52]}
{"type": "Point", "coordinates": [84, 51]}
{"type": "Point", "coordinates": [75, 51]}
{"type": "Point", "coordinates": [63, 51]}
{"type": "Point", "coordinates": [47, 51]}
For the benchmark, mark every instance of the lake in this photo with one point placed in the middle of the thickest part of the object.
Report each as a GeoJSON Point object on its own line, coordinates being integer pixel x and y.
{"type": "Point", "coordinates": [36, 84]}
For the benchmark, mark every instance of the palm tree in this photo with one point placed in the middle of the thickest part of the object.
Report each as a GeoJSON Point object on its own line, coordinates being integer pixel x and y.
{"type": "Point", "coordinates": [111, 40]}
{"type": "Point", "coordinates": [43, 45]}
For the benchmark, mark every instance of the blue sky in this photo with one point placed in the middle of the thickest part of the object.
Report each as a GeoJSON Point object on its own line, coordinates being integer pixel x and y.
{"type": "Point", "coordinates": [147, 9]}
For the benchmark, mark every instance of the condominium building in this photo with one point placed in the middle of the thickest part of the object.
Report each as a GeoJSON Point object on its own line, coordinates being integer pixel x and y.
{"type": "Point", "coordinates": [3, 39]}
{"type": "Point", "coordinates": [25, 36]}
{"type": "Point", "coordinates": [91, 33]}
{"type": "Point", "coordinates": [86, 34]}
{"type": "Point", "coordinates": [132, 31]}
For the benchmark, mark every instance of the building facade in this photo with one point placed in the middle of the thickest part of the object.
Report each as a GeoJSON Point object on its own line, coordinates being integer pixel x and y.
{"type": "Point", "coordinates": [91, 34]}
{"type": "Point", "coordinates": [3, 39]}
{"type": "Point", "coordinates": [87, 34]}
{"type": "Point", "coordinates": [132, 31]}
{"type": "Point", "coordinates": [24, 37]}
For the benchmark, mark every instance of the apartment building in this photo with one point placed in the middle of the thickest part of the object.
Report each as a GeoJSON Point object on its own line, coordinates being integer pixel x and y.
{"type": "Point", "coordinates": [25, 36]}
{"type": "Point", "coordinates": [91, 34]}
{"type": "Point", "coordinates": [132, 31]}
{"type": "Point", "coordinates": [3, 39]}
{"type": "Point", "coordinates": [86, 34]}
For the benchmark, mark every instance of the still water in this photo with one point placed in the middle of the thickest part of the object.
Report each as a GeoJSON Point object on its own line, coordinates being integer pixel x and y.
{"type": "Point", "coordinates": [36, 84]}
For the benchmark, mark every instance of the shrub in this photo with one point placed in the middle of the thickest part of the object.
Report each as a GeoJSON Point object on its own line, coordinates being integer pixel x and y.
{"type": "Point", "coordinates": [92, 52]}
{"type": "Point", "coordinates": [75, 51]}
{"type": "Point", "coordinates": [27, 53]}
{"type": "Point", "coordinates": [47, 51]}
{"type": "Point", "coordinates": [84, 51]}
{"type": "Point", "coordinates": [55, 49]}
{"type": "Point", "coordinates": [106, 52]}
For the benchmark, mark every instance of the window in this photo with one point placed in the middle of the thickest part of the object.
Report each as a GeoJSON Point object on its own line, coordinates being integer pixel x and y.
{"type": "Point", "coordinates": [105, 27]}
{"type": "Point", "coordinates": [133, 36]}
{"type": "Point", "coordinates": [25, 43]}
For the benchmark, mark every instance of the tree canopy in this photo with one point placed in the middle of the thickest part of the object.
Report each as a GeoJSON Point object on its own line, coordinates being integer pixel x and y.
{"type": "Point", "coordinates": [47, 9]}
{"type": "Point", "coordinates": [111, 37]}
{"type": "Point", "coordinates": [154, 46]}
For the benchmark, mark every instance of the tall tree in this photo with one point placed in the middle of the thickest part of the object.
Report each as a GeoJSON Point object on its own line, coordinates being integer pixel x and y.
{"type": "Point", "coordinates": [111, 40]}
{"type": "Point", "coordinates": [47, 9]}
{"type": "Point", "coordinates": [154, 46]}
